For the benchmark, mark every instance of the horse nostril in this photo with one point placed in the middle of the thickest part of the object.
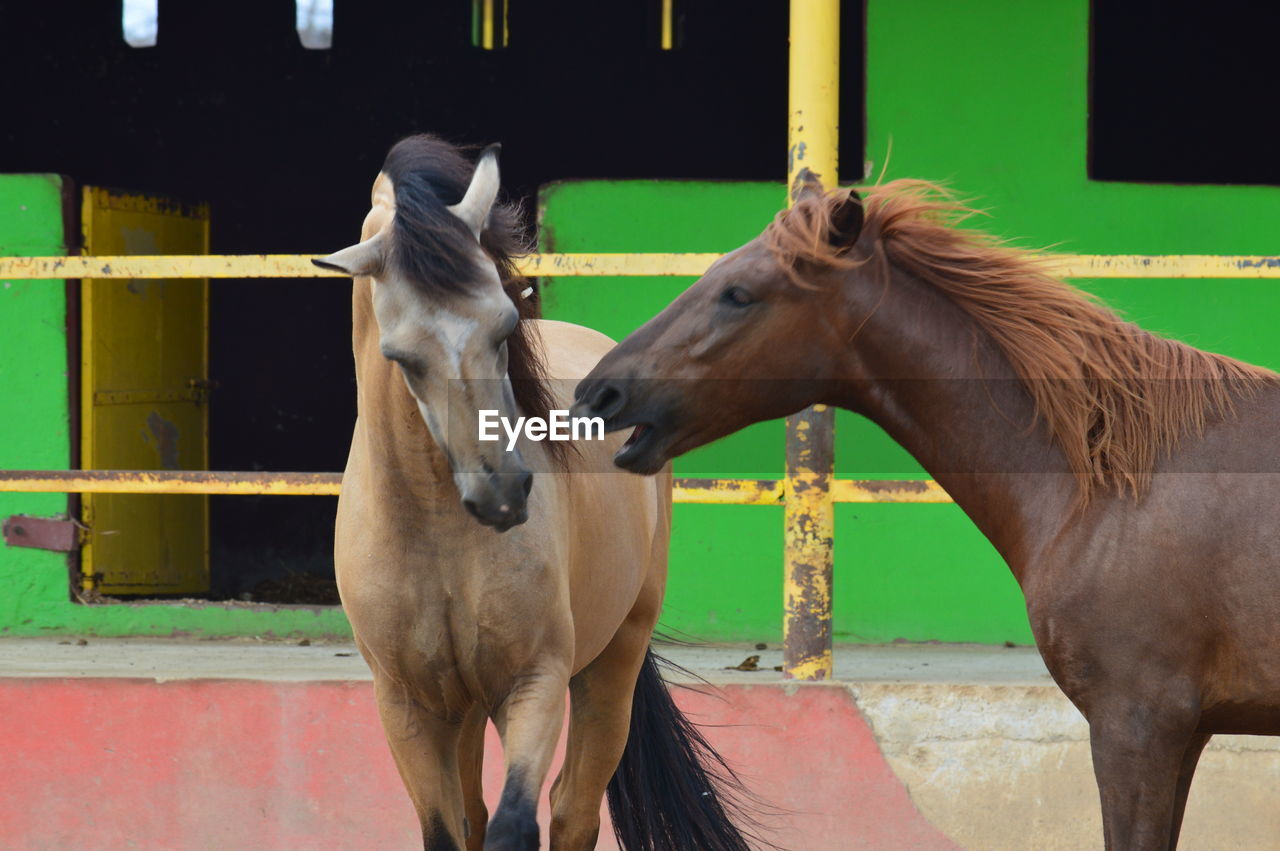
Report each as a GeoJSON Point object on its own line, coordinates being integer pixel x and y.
{"type": "Point", "coordinates": [608, 400]}
{"type": "Point", "coordinates": [471, 507]}
{"type": "Point", "coordinates": [527, 483]}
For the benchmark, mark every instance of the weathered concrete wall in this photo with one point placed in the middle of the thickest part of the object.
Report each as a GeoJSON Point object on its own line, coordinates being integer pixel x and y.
{"type": "Point", "coordinates": [215, 745]}
{"type": "Point", "coordinates": [1008, 767]}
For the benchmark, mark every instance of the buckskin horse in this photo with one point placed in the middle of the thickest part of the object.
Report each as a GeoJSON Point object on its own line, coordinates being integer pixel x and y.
{"type": "Point", "coordinates": [478, 591]}
{"type": "Point", "coordinates": [1129, 481]}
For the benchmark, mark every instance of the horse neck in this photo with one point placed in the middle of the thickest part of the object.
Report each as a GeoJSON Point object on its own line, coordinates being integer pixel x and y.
{"type": "Point", "coordinates": [396, 444]}
{"type": "Point", "coordinates": [935, 381]}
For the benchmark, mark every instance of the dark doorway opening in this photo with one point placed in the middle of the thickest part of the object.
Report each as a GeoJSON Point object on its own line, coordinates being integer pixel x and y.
{"type": "Point", "coordinates": [1183, 91]}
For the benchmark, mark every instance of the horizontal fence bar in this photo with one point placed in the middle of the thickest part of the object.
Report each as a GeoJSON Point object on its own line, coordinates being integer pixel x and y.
{"type": "Point", "coordinates": [300, 266]}
{"type": "Point", "coordinates": [888, 490]}
{"type": "Point", "coordinates": [577, 265]}
{"type": "Point", "coordinates": [729, 491]}
{"type": "Point", "coordinates": [706, 491]}
{"type": "Point", "coordinates": [170, 482]}
{"type": "Point", "coordinates": [1164, 266]}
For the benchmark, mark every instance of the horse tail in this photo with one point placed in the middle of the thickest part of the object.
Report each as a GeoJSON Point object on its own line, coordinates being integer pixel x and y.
{"type": "Point", "coordinates": [672, 791]}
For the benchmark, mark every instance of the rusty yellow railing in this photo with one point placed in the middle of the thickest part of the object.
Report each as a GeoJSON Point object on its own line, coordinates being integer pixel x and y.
{"type": "Point", "coordinates": [704, 491]}
{"type": "Point", "coordinates": [594, 265]}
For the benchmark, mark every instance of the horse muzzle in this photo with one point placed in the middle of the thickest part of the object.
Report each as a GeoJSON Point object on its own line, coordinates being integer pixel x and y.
{"type": "Point", "coordinates": [500, 501]}
{"type": "Point", "coordinates": [629, 404]}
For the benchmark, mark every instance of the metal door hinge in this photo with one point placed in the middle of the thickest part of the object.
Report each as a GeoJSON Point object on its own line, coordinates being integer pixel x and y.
{"type": "Point", "coordinates": [42, 533]}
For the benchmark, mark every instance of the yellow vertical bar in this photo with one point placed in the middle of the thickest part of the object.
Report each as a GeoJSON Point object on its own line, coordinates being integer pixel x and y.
{"type": "Point", "coordinates": [87, 383]}
{"type": "Point", "coordinates": [813, 136]}
{"type": "Point", "coordinates": [668, 26]}
{"type": "Point", "coordinates": [814, 89]}
{"type": "Point", "coordinates": [486, 25]}
{"type": "Point", "coordinates": [204, 375]}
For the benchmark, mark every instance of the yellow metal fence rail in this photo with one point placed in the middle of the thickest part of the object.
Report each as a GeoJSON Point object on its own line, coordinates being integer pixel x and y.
{"type": "Point", "coordinates": [598, 265]}
{"type": "Point", "coordinates": [722, 491]}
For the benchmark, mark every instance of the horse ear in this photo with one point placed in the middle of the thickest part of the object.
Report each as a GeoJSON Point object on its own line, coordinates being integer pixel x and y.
{"type": "Point", "coordinates": [475, 205]}
{"type": "Point", "coordinates": [846, 213]}
{"type": "Point", "coordinates": [846, 221]}
{"type": "Point", "coordinates": [363, 258]}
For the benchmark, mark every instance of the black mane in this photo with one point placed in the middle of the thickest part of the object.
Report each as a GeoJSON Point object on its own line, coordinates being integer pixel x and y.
{"type": "Point", "coordinates": [433, 249]}
{"type": "Point", "coordinates": [431, 245]}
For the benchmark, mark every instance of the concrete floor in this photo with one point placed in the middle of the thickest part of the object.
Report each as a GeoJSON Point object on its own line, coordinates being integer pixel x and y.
{"type": "Point", "coordinates": [179, 659]}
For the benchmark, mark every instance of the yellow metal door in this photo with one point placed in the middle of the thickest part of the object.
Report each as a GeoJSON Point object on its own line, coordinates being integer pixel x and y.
{"type": "Point", "coordinates": [143, 398]}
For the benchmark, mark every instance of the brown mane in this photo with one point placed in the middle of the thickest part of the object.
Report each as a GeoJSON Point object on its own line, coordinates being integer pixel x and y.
{"type": "Point", "coordinates": [1115, 397]}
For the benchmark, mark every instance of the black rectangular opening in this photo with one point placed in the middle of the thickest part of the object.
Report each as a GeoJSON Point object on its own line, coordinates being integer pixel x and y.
{"type": "Point", "coordinates": [1184, 92]}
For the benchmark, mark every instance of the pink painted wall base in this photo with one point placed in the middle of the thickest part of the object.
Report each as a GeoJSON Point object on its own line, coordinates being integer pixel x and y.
{"type": "Point", "coordinates": [128, 763]}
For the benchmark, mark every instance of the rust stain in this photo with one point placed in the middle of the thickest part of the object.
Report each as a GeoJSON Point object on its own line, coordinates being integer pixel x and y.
{"type": "Point", "coordinates": [731, 484]}
{"type": "Point", "coordinates": [729, 491]}
{"type": "Point", "coordinates": [894, 485]}
{"type": "Point", "coordinates": [166, 437]}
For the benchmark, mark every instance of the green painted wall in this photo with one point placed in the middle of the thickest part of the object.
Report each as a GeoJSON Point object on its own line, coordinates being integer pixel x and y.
{"type": "Point", "coordinates": [34, 434]}
{"type": "Point", "coordinates": [990, 97]}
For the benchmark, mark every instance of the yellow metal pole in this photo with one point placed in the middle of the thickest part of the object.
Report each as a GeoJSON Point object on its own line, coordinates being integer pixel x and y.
{"type": "Point", "coordinates": [813, 135]}
{"type": "Point", "coordinates": [668, 26]}
{"type": "Point", "coordinates": [486, 25]}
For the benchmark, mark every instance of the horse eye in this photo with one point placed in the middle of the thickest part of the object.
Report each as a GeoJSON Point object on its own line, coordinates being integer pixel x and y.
{"type": "Point", "coordinates": [736, 296]}
{"type": "Point", "coordinates": [410, 363]}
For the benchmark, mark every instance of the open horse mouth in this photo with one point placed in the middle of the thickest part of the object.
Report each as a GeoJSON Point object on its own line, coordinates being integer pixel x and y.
{"type": "Point", "coordinates": [645, 450]}
{"type": "Point", "coordinates": [637, 435]}
{"type": "Point", "coordinates": [632, 455]}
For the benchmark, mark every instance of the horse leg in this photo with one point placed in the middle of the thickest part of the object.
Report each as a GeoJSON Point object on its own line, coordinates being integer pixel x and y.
{"type": "Point", "coordinates": [471, 765]}
{"type": "Point", "coordinates": [425, 748]}
{"type": "Point", "coordinates": [599, 721]}
{"type": "Point", "coordinates": [1138, 755]}
{"type": "Point", "coordinates": [529, 722]}
{"type": "Point", "coordinates": [1190, 758]}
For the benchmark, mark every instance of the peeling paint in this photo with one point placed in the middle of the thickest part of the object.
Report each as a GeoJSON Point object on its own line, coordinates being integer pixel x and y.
{"type": "Point", "coordinates": [808, 536]}
{"type": "Point", "coordinates": [166, 436]}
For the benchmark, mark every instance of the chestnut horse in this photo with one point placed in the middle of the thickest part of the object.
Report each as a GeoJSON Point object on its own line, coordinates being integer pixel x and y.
{"type": "Point", "coordinates": [1128, 480]}
{"type": "Point", "coordinates": [461, 624]}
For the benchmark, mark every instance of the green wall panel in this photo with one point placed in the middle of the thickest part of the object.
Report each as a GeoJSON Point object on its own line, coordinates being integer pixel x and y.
{"type": "Point", "coordinates": [34, 403]}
